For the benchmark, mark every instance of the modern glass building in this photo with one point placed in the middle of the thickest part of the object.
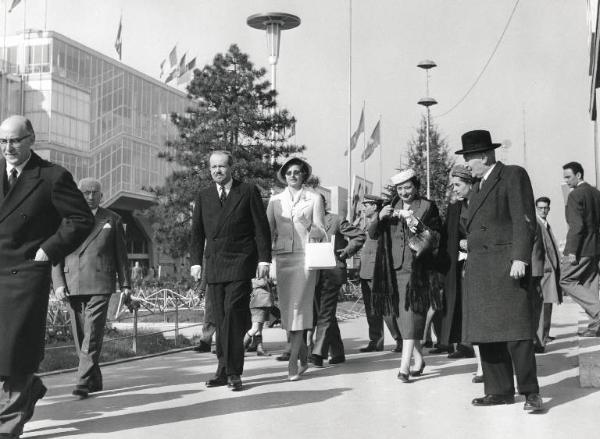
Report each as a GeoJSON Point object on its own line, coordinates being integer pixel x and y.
{"type": "Point", "coordinates": [98, 118]}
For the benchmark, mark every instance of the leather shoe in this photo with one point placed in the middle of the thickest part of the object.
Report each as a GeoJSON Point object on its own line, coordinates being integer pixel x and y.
{"type": "Point", "coordinates": [589, 333]}
{"type": "Point", "coordinates": [283, 357]}
{"type": "Point", "coordinates": [235, 382]}
{"type": "Point", "coordinates": [404, 377]}
{"type": "Point", "coordinates": [317, 360]}
{"type": "Point", "coordinates": [539, 349]}
{"type": "Point", "coordinates": [477, 379]}
{"type": "Point", "coordinates": [337, 359]}
{"type": "Point", "coordinates": [37, 392]}
{"type": "Point", "coordinates": [461, 353]}
{"type": "Point", "coordinates": [217, 381]}
{"type": "Point", "coordinates": [202, 347]}
{"type": "Point", "coordinates": [370, 348]}
{"type": "Point", "coordinates": [398, 347]}
{"type": "Point", "coordinates": [418, 372]}
{"type": "Point", "coordinates": [81, 391]}
{"type": "Point", "coordinates": [533, 402]}
{"type": "Point", "coordinates": [494, 400]}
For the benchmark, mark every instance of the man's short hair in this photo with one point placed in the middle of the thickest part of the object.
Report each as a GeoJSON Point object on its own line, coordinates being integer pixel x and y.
{"type": "Point", "coordinates": [575, 167]}
{"type": "Point", "coordinates": [542, 200]}
{"type": "Point", "coordinates": [225, 153]}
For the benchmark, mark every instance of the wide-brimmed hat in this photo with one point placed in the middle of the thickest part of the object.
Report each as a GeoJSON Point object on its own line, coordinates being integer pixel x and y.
{"type": "Point", "coordinates": [462, 172]}
{"type": "Point", "coordinates": [293, 161]}
{"type": "Point", "coordinates": [477, 141]}
{"type": "Point", "coordinates": [372, 199]}
{"type": "Point", "coordinates": [403, 176]}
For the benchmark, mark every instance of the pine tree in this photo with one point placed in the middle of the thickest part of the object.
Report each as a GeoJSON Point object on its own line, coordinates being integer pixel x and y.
{"type": "Point", "coordinates": [440, 162]}
{"type": "Point", "coordinates": [231, 108]}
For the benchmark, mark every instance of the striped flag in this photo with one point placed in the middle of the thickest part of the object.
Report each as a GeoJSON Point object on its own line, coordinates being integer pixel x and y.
{"type": "Point", "coordinates": [182, 65]}
{"type": "Point", "coordinates": [13, 5]}
{"type": "Point", "coordinates": [162, 68]}
{"type": "Point", "coordinates": [191, 65]}
{"type": "Point", "coordinates": [373, 143]}
{"type": "Point", "coordinates": [118, 42]}
{"type": "Point", "coordinates": [358, 132]}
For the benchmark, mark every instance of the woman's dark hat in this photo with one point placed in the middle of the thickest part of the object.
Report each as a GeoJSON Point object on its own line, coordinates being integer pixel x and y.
{"type": "Point", "coordinates": [477, 141]}
{"type": "Point", "coordinates": [293, 161]}
{"type": "Point", "coordinates": [462, 172]}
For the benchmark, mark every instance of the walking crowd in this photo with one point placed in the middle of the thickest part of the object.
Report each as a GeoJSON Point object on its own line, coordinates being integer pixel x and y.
{"type": "Point", "coordinates": [486, 276]}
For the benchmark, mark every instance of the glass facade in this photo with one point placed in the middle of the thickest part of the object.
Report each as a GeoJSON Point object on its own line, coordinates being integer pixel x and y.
{"type": "Point", "coordinates": [95, 116]}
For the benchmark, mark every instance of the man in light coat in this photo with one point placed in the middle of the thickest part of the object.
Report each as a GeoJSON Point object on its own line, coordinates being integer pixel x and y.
{"type": "Point", "coordinates": [86, 279]}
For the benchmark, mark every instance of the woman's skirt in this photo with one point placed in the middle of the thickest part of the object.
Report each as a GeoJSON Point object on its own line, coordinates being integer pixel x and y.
{"type": "Point", "coordinates": [411, 324]}
{"type": "Point", "coordinates": [295, 290]}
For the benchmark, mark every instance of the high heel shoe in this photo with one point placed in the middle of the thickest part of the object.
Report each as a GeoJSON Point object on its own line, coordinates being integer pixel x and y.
{"type": "Point", "coordinates": [293, 371]}
{"type": "Point", "coordinates": [404, 377]}
{"type": "Point", "coordinates": [417, 373]}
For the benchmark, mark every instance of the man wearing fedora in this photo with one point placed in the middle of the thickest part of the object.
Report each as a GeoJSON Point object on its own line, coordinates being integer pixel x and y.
{"type": "Point", "coordinates": [230, 235]}
{"type": "Point", "coordinates": [501, 226]}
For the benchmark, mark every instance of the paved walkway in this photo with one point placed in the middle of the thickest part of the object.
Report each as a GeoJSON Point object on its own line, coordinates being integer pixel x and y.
{"type": "Point", "coordinates": [164, 397]}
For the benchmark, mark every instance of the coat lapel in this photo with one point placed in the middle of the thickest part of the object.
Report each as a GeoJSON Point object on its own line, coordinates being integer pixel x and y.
{"type": "Point", "coordinates": [100, 220]}
{"type": "Point", "coordinates": [231, 202]}
{"type": "Point", "coordinates": [27, 182]}
{"type": "Point", "coordinates": [479, 197]}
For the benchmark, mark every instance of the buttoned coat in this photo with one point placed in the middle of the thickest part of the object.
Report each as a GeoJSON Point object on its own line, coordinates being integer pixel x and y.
{"type": "Point", "coordinates": [234, 237]}
{"type": "Point", "coordinates": [500, 229]}
{"type": "Point", "coordinates": [44, 209]}
{"type": "Point", "coordinates": [583, 217]}
{"type": "Point", "coordinates": [96, 265]}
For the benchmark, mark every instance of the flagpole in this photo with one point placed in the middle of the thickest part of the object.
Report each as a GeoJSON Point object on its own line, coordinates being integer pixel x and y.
{"type": "Point", "coordinates": [364, 148]}
{"type": "Point", "coordinates": [380, 158]}
{"type": "Point", "coordinates": [23, 58]}
{"type": "Point", "coordinates": [349, 201]}
{"type": "Point", "coordinates": [45, 14]}
{"type": "Point", "coordinates": [4, 48]}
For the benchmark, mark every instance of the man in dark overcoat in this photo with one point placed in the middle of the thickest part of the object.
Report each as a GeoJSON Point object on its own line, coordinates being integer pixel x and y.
{"type": "Point", "coordinates": [86, 279]}
{"type": "Point", "coordinates": [348, 239]}
{"type": "Point", "coordinates": [43, 217]}
{"type": "Point", "coordinates": [497, 311]}
{"type": "Point", "coordinates": [229, 229]}
{"type": "Point", "coordinates": [579, 268]}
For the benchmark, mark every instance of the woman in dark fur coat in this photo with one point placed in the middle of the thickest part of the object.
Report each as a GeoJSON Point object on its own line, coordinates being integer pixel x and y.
{"type": "Point", "coordinates": [403, 284]}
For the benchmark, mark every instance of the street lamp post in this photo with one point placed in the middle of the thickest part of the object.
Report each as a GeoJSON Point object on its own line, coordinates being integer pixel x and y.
{"type": "Point", "coordinates": [427, 102]}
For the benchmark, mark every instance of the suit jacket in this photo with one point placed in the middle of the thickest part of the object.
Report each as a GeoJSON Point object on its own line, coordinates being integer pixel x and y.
{"type": "Point", "coordinates": [583, 218]}
{"type": "Point", "coordinates": [500, 229]}
{"type": "Point", "coordinates": [289, 219]}
{"type": "Point", "coordinates": [545, 263]}
{"type": "Point", "coordinates": [93, 269]}
{"type": "Point", "coordinates": [44, 209]}
{"type": "Point", "coordinates": [367, 256]}
{"type": "Point", "coordinates": [346, 237]}
{"type": "Point", "coordinates": [234, 237]}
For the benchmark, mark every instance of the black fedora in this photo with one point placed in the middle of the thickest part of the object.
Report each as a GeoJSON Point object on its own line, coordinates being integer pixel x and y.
{"type": "Point", "coordinates": [477, 141]}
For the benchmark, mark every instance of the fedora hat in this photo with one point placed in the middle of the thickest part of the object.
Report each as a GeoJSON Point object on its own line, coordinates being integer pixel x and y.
{"type": "Point", "coordinates": [477, 141]}
{"type": "Point", "coordinates": [294, 161]}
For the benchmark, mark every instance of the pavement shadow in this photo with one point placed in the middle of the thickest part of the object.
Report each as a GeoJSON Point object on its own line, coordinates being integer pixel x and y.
{"type": "Point", "coordinates": [216, 407]}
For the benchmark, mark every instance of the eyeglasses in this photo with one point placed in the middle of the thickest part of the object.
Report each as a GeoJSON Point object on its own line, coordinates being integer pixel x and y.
{"type": "Point", "coordinates": [88, 193]}
{"type": "Point", "coordinates": [13, 140]}
{"type": "Point", "coordinates": [290, 173]}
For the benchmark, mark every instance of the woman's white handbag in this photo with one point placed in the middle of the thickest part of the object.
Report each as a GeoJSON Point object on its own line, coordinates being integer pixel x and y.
{"type": "Point", "coordinates": [320, 255]}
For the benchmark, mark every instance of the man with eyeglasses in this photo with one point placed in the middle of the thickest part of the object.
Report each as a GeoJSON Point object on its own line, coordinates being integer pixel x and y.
{"type": "Point", "coordinates": [43, 217]}
{"type": "Point", "coordinates": [86, 279]}
{"type": "Point", "coordinates": [545, 275]}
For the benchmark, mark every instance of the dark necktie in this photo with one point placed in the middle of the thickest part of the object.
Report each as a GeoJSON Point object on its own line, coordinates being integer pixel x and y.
{"type": "Point", "coordinates": [223, 195]}
{"type": "Point", "coordinates": [12, 178]}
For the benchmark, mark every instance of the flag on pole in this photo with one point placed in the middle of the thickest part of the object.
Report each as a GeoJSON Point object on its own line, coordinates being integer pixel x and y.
{"type": "Point", "coordinates": [13, 5]}
{"type": "Point", "coordinates": [162, 68]}
{"type": "Point", "coordinates": [182, 65]}
{"type": "Point", "coordinates": [358, 132]}
{"type": "Point", "coordinates": [118, 43]}
{"type": "Point", "coordinates": [372, 144]}
{"type": "Point", "coordinates": [173, 56]}
{"type": "Point", "coordinates": [191, 65]}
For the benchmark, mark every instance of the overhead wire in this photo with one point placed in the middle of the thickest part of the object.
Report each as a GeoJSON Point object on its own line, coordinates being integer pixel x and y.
{"type": "Point", "coordinates": [460, 101]}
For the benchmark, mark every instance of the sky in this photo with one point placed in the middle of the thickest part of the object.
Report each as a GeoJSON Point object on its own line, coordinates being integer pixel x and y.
{"type": "Point", "coordinates": [535, 91]}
